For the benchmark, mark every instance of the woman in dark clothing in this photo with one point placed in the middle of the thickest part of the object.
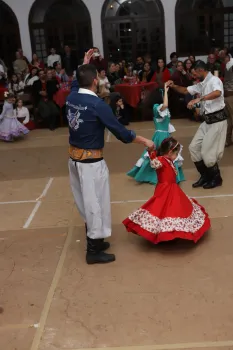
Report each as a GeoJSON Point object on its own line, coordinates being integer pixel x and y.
{"type": "Point", "coordinates": [146, 74]}
{"type": "Point", "coordinates": [120, 110]}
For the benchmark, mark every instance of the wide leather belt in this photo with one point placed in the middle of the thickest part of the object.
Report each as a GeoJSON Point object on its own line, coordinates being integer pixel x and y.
{"type": "Point", "coordinates": [215, 117]}
{"type": "Point", "coordinates": [80, 154]}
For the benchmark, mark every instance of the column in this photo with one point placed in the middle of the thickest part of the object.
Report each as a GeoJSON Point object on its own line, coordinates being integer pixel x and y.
{"type": "Point", "coordinates": [95, 9]}
{"type": "Point", "coordinates": [170, 27]}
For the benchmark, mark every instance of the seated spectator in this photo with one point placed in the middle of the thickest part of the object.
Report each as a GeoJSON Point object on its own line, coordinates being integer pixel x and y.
{"type": "Point", "coordinates": [112, 76]}
{"type": "Point", "coordinates": [180, 76]}
{"type": "Point", "coordinates": [148, 59]}
{"type": "Point", "coordinates": [98, 61]}
{"type": "Point", "coordinates": [52, 58]}
{"type": "Point", "coordinates": [43, 92]}
{"type": "Point", "coordinates": [178, 103]}
{"type": "Point", "coordinates": [120, 110]}
{"type": "Point", "coordinates": [20, 65]}
{"type": "Point", "coordinates": [16, 86]}
{"type": "Point", "coordinates": [146, 74]}
{"type": "Point", "coordinates": [60, 72]}
{"type": "Point", "coordinates": [213, 65]}
{"type": "Point", "coordinates": [192, 58]}
{"type": "Point", "coordinates": [21, 112]}
{"type": "Point", "coordinates": [31, 77]}
{"type": "Point", "coordinates": [122, 71]}
{"type": "Point", "coordinates": [20, 51]}
{"type": "Point", "coordinates": [172, 65]}
{"type": "Point", "coordinates": [139, 64]}
{"type": "Point", "coordinates": [36, 63]}
{"type": "Point", "coordinates": [104, 85]}
{"type": "Point", "coordinates": [69, 61]}
{"type": "Point", "coordinates": [188, 69]}
{"type": "Point", "coordinates": [162, 74]}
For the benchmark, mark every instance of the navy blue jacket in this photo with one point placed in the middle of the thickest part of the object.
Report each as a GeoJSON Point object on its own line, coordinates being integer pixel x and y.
{"type": "Point", "coordinates": [88, 116]}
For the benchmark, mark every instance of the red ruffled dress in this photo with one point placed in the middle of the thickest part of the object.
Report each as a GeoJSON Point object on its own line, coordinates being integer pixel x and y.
{"type": "Point", "coordinates": [169, 214]}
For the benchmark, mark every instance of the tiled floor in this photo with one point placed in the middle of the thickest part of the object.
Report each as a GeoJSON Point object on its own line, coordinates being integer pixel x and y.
{"type": "Point", "coordinates": [172, 296]}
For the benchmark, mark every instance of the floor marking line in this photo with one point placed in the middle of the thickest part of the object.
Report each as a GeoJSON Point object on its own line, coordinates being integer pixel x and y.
{"type": "Point", "coordinates": [33, 213]}
{"type": "Point", "coordinates": [219, 344]}
{"type": "Point", "coordinates": [18, 202]}
{"type": "Point", "coordinates": [47, 187]}
{"type": "Point", "coordinates": [195, 197]}
{"type": "Point", "coordinates": [53, 286]}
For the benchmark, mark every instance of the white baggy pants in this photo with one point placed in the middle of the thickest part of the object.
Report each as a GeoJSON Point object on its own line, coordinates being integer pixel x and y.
{"type": "Point", "coordinates": [208, 143]}
{"type": "Point", "coordinates": [90, 186]}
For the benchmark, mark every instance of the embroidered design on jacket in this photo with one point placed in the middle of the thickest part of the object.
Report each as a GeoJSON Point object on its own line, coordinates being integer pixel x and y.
{"type": "Point", "coordinates": [74, 119]}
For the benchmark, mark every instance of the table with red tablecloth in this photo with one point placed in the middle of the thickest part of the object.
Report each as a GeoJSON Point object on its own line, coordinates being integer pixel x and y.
{"type": "Point", "coordinates": [61, 96]}
{"type": "Point", "coordinates": [132, 93]}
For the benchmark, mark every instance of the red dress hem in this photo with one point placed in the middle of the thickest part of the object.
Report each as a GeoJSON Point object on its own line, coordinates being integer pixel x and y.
{"type": "Point", "coordinates": [156, 238]}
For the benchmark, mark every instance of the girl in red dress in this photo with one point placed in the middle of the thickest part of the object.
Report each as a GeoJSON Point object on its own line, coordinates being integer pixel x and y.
{"type": "Point", "coordinates": [169, 214]}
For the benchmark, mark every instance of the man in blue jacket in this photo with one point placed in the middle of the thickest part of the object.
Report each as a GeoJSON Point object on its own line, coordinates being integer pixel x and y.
{"type": "Point", "coordinates": [88, 116]}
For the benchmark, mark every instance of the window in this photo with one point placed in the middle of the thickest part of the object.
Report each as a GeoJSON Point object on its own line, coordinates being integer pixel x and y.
{"type": "Point", "coordinates": [132, 28]}
{"type": "Point", "coordinates": [65, 22]}
{"type": "Point", "coordinates": [200, 26]}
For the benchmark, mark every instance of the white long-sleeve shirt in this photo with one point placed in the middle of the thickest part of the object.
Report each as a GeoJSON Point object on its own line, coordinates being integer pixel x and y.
{"type": "Point", "coordinates": [52, 59]}
{"type": "Point", "coordinates": [21, 113]}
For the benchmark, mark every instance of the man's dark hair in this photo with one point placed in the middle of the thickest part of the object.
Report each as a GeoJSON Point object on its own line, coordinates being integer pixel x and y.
{"type": "Point", "coordinates": [172, 55]}
{"type": "Point", "coordinates": [56, 64]}
{"type": "Point", "coordinates": [200, 65]}
{"type": "Point", "coordinates": [86, 75]}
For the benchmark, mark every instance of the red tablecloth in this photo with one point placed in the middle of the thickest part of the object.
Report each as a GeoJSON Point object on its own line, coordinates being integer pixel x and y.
{"type": "Point", "coordinates": [132, 93]}
{"type": "Point", "coordinates": [60, 97]}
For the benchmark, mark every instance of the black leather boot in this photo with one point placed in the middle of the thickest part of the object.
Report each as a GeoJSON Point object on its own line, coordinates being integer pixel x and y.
{"type": "Point", "coordinates": [103, 245]}
{"type": "Point", "coordinates": [202, 169]}
{"type": "Point", "coordinates": [214, 178]}
{"type": "Point", "coordinates": [94, 253]}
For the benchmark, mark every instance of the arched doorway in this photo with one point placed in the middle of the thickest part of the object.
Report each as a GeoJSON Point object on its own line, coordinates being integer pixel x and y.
{"type": "Point", "coordinates": [55, 23]}
{"type": "Point", "coordinates": [9, 34]}
{"type": "Point", "coordinates": [202, 24]}
{"type": "Point", "coordinates": [133, 28]}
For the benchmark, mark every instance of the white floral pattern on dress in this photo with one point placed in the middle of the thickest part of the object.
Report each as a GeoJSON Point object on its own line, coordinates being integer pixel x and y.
{"type": "Point", "coordinates": [155, 163]}
{"type": "Point", "coordinates": [155, 225]}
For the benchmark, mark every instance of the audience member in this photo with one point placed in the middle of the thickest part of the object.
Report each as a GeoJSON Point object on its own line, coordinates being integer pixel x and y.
{"type": "Point", "coordinates": [188, 69]}
{"type": "Point", "coordinates": [31, 77]}
{"type": "Point", "coordinates": [20, 65]}
{"type": "Point", "coordinates": [104, 85]}
{"type": "Point", "coordinates": [15, 86]}
{"type": "Point", "coordinates": [162, 74]}
{"type": "Point", "coordinates": [60, 73]}
{"type": "Point", "coordinates": [98, 61]}
{"type": "Point", "coordinates": [69, 61]}
{"type": "Point", "coordinates": [139, 64]}
{"type": "Point", "coordinates": [36, 62]}
{"type": "Point", "coordinates": [20, 51]}
{"type": "Point", "coordinates": [146, 74]}
{"type": "Point", "coordinates": [172, 65]}
{"type": "Point", "coordinates": [52, 58]}
{"type": "Point", "coordinates": [213, 65]}
{"type": "Point", "coordinates": [43, 93]}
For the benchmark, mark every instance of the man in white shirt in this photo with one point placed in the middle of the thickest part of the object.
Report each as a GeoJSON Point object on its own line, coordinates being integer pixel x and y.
{"type": "Point", "coordinates": [207, 146]}
{"type": "Point", "coordinates": [53, 58]}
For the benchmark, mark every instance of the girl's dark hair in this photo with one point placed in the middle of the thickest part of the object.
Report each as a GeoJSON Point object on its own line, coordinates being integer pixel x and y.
{"type": "Point", "coordinates": [169, 144]}
{"type": "Point", "coordinates": [185, 62]}
{"type": "Point", "coordinates": [192, 56]}
{"type": "Point", "coordinates": [157, 64]}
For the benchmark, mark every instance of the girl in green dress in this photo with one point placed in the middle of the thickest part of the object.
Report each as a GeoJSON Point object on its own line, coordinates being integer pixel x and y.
{"type": "Point", "coordinates": [142, 171]}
